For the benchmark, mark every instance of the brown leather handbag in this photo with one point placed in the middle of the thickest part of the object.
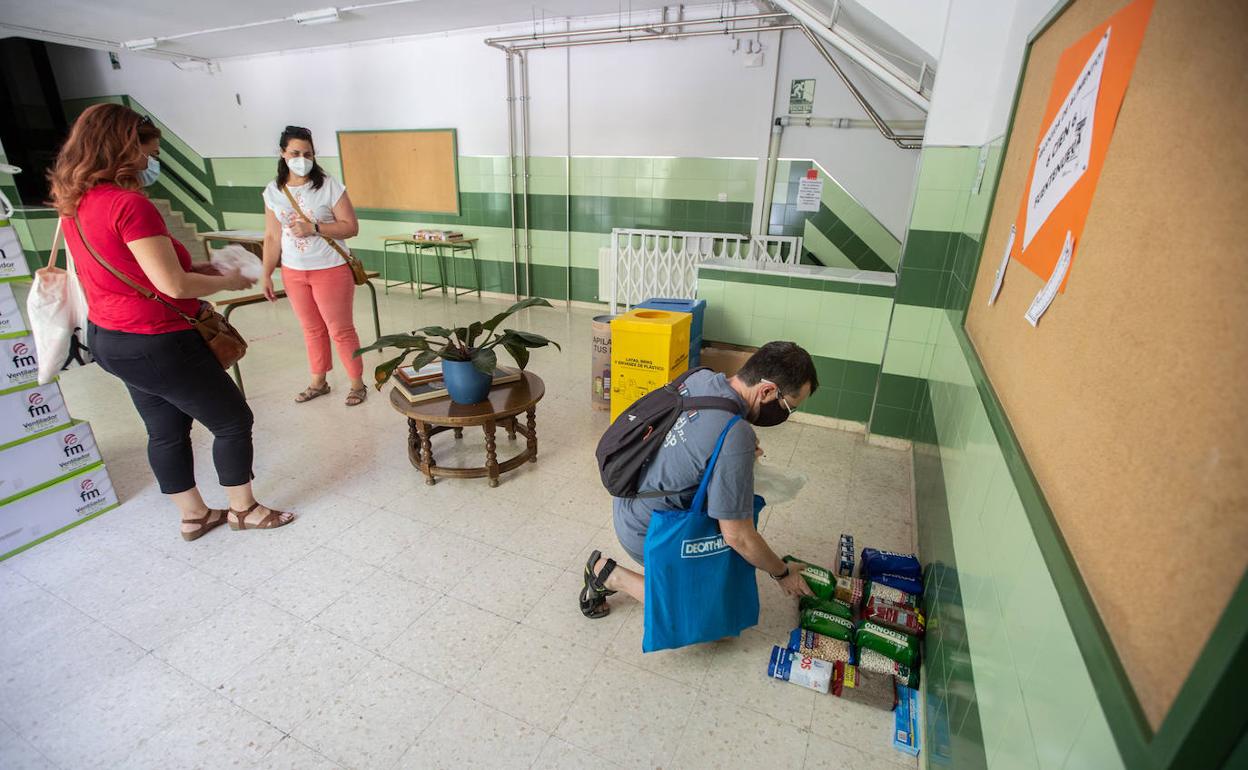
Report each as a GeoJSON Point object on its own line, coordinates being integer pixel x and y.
{"type": "Point", "coordinates": [222, 338]}
{"type": "Point", "coordinates": [358, 274]}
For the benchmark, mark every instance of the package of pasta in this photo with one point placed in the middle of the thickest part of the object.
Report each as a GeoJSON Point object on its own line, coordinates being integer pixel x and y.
{"type": "Point", "coordinates": [875, 663]}
{"type": "Point", "coordinates": [819, 646]}
{"type": "Point", "coordinates": [834, 606]}
{"type": "Point", "coordinates": [877, 562]}
{"type": "Point", "coordinates": [901, 619]}
{"type": "Point", "coordinates": [913, 586]}
{"type": "Point", "coordinates": [827, 624]}
{"type": "Point", "coordinates": [853, 683]}
{"type": "Point", "coordinates": [893, 596]}
{"type": "Point", "coordinates": [895, 645]}
{"type": "Point", "coordinates": [821, 581]}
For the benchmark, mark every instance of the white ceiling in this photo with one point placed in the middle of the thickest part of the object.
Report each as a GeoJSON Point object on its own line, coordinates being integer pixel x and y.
{"type": "Point", "coordinates": [116, 21]}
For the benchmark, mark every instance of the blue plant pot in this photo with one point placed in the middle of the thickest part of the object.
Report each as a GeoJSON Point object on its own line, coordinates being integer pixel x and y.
{"type": "Point", "coordinates": [464, 383]}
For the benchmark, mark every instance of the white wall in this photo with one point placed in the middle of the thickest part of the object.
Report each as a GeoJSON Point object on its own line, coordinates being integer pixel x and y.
{"type": "Point", "coordinates": [922, 21]}
{"type": "Point", "coordinates": [680, 98]}
{"type": "Point", "coordinates": [978, 70]}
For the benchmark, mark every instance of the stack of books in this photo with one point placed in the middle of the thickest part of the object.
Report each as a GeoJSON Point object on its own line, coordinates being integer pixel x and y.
{"type": "Point", "coordinates": [426, 383]}
{"type": "Point", "coordinates": [438, 235]}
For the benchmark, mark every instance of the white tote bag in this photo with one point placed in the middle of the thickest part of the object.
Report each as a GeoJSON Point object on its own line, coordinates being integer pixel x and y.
{"type": "Point", "coordinates": [57, 309]}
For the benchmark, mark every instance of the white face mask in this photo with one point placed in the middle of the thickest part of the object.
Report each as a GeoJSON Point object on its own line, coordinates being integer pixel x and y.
{"type": "Point", "coordinates": [300, 166]}
{"type": "Point", "coordinates": [147, 176]}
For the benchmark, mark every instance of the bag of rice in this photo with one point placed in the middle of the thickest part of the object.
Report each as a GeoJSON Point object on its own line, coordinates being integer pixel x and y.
{"type": "Point", "coordinates": [827, 624]}
{"type": "Point", "coordinates": [901, 582]}
{"type": "Point", "coordinates": [819, 579]}
{"type": "Point", "coordinates": [818, 645]}
{"type": "Point", "coordinates": [900, 647]}
{"type": "Point", "coordinates": [874, 662]}
{"type": "Point", "coordinates": [891, 616]}
{"type": "Point", "coordinates": [834, 606]}
{"type": "Point", "coordinates": [889, 594]}
{"type": "Point", "coordinates": [799, 669]}
{"type": "Point", "coordinates": [872, 689]}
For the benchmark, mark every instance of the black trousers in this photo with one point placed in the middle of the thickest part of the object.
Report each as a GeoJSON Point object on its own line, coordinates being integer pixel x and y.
{"type": "Point", "coordinates": [173, 379]}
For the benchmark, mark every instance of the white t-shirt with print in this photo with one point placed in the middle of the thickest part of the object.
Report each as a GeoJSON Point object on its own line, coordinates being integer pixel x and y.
{"type": "Point", "coordinates": [313, 252]}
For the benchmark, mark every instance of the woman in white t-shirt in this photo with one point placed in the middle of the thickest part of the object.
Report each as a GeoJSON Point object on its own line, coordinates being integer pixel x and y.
{"type": "Point", "coordinates": [317, 279]}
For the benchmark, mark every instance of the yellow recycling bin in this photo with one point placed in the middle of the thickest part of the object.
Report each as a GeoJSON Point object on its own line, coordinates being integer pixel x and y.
{"type": "Point", "coordinates": [649, 348]}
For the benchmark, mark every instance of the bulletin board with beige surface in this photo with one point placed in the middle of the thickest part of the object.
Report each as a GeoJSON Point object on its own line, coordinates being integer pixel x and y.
{"type": "Point", "coordinates": [406, 170]}
{"type": "Point", "coordinates": [1127, 397]}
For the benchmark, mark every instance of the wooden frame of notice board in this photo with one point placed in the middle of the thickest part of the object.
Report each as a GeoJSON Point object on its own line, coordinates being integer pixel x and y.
{"type": "Point", "coordinates": [378, 185]}
{"type": "Point", "coordinates": [1205, 724]}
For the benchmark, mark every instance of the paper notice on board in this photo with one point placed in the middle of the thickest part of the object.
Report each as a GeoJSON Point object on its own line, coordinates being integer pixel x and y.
{"type": "Point", "coordinates": [1049, 292]}
{"type": "Point", "coordinates": [1005, 262]}
{"type": "Point", "coordinates": [1066, 148]}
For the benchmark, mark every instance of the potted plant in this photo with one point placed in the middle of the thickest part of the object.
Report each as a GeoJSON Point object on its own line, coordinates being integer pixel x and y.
{"type": "Point", "coordinates": [468, 359]}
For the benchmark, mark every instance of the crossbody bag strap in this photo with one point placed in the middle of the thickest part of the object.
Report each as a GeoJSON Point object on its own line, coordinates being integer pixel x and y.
{"type": "Point", "coordinates": [143, 290]}
{"type": "Point", "coordinates": [332, 243]}
{"type": "Point", "coordinates": [699, 499]}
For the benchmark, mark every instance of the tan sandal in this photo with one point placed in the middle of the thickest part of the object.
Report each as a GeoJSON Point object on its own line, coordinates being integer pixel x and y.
{"type": "Point", "coordinates": [271, 520]}
{"type": "Point", "coordinates": [310, 393]}
{"type": "Point", "coordinates": [205, 524]}
{"type": "Point", "coordinates": [357, 397]}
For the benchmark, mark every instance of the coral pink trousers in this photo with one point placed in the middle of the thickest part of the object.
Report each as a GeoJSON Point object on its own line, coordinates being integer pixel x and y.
{"type": "Point", "coordinates": [322, 301]}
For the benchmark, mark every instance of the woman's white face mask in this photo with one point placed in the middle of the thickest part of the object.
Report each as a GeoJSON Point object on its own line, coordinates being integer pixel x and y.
{"type": "Point", "coordinates": [300, 166]}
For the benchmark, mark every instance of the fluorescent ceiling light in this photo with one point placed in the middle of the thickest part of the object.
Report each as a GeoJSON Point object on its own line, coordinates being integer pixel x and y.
{"type": "Point", "coordinates": [140, 45]}
{"type": "Point", "coordinates": [323, 16]}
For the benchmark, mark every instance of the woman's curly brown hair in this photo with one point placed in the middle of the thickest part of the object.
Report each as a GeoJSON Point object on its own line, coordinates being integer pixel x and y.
{"type": "Point", "coordinates": [104, 145]}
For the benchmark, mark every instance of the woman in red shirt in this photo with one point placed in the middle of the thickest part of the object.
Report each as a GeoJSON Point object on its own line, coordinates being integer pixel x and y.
{"type": "Point", "coordinates": [172, 376]}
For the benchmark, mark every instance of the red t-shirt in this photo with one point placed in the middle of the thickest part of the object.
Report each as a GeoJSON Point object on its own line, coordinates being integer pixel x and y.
{"type": "Point", "coordinates": [111, 217]}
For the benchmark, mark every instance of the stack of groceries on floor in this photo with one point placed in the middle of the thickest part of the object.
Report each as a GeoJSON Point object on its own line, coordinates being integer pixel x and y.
{"type": "Point", "coordinates": [859, 636]}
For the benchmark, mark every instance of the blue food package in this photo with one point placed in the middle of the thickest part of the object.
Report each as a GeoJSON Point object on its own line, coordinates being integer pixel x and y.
{"type": "Point", "coordinates": [877, 562]}
{"type": "Point", "coordinates": [845, 556]}
{"type": "Point", "coordinates": [910, 585]}
{"type": "Point", "coordinates": [906, 721]}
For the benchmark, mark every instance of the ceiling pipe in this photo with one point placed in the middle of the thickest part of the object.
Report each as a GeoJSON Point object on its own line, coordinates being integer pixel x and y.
{"type": "Point", "coordinates": [499, 42]}
{"type": "Point", "coordinates": [808, 122]}
{"type": "Point", "coordinates": [906, 142]}
{"type": "Point", "coordinates": [884, 74]}
{"type": "Point", "coordinates": [636, 38]}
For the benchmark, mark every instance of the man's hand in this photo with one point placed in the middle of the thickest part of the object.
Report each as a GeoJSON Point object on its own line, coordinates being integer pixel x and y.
{"type": "Point", "coordinates": [302, 229]}
{"type": "Point", "coordinates": [794, 584]}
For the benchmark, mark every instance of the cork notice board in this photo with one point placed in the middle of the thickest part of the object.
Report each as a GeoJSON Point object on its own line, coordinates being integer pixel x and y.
{"type": "Point", "coordinates": [414, 170]}
{"type": "Point", "coordinates": [1128, 398]}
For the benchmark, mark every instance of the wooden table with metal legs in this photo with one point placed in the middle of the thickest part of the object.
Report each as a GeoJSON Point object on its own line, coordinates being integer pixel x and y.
{"type": "Point", "coordinates": [502, 409]}
{"type": "Point", "coordinates": [413, 248]}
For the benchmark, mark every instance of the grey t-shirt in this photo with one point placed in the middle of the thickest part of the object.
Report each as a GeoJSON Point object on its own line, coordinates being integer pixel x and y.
{"type": "Point", "coordinates": [679, 464]}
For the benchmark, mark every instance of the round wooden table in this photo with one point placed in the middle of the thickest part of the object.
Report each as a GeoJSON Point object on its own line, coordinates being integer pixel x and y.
{"type": "Point", "coordinates": [428, 418]}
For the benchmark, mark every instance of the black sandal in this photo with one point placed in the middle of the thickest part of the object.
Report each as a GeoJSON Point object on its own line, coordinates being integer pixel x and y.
{"type": "Point", "coordinates": [594, 594]}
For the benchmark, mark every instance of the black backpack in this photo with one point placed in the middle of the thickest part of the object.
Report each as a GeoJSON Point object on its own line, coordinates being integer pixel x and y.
{"type": "Point", "coordinates": [636, 435]}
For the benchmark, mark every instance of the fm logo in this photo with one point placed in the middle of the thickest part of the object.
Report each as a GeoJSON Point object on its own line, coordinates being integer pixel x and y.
{"type": "Point", "coordinates": [22, 357]}
{"type": "Point", "coordinates": [89, 492]}
{"type": "Point", "coordinates": [72, 445]}
{"type": "Point", "coordinates": [35, 405]}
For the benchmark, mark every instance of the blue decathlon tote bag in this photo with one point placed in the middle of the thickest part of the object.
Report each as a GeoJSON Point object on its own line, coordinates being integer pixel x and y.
{"type": "Point", "coordinates": [697, 588]}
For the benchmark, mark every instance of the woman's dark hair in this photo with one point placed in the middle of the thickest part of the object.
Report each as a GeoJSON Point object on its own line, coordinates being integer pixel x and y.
{"type": "Point", "coordinates": [316, 175]}
{"type": "Point", "coordinates": [784, 363]}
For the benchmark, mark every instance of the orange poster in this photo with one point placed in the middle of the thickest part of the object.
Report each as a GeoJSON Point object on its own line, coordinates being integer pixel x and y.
{"type": "Point", "coordinates": [1088, 89]}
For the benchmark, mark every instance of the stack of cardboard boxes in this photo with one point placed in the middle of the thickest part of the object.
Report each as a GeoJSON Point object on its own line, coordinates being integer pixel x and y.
{"type": "Point", "coordinates": [51, 474]}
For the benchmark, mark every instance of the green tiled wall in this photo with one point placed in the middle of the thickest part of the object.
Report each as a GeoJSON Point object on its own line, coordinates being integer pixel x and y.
{"type": "Point", "coordinates": [842, 325]}
{"type": "Point", "coordinates": [1005, 685]}
{"type": "Point", "coordinates": [842, 233]}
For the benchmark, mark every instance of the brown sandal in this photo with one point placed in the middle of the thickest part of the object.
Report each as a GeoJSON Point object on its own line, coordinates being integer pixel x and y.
{"type": "Point", "coordinates": [310, 393]}
{"type": "Point", "coordinates": [357, 397]}
{"type": "Point", "coordinates": [206, 524]}
{"type": "Point", "coordinates": [271, 520]}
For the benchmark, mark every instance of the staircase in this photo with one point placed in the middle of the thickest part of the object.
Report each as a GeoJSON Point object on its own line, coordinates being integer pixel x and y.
{"type": "Point", "coordinates": [185, 232]}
